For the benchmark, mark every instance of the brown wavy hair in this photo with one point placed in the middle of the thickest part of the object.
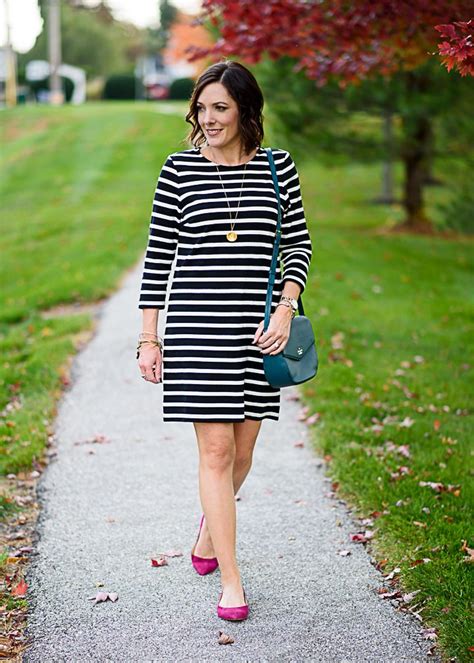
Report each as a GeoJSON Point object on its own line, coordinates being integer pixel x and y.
{"type": "Point", "coordinates": [242, 86]}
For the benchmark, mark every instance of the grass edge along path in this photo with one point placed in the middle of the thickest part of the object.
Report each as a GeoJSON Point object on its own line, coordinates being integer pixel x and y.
{"type": "Point", "coordinates": [390, 408]}
{"type": "Point", "coordinates": [84, 216]}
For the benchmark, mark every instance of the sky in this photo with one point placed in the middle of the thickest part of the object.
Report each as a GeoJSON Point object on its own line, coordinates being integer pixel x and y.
{"type": "Point", "coordinates": [25, 23]}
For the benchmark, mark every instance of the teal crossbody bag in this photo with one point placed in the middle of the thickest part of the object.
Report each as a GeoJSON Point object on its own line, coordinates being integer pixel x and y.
{"type": "Point", "coordinates": [298, 361]}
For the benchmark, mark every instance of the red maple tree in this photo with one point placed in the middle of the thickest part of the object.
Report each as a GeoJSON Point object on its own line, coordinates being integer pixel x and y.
{"type": "Point", "coordinates": [349, 41]}
{"type": "Point", "coordinates": [457, 50]}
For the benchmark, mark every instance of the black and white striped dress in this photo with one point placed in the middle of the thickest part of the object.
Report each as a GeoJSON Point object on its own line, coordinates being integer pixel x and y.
{"type": "Point", "coordinates": [211, 371]}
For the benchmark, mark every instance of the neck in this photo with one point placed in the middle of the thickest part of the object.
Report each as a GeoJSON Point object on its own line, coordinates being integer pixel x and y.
{"type": "Point", "coordinates": [230, 155]}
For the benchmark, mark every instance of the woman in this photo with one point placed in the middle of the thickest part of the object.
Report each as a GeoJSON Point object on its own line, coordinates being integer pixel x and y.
{"type": "Point", "coordinates": [215, 208]}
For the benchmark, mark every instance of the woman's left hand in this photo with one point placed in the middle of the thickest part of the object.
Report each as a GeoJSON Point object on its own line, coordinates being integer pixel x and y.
{"type": "Point", "coordinates": [273, 341]}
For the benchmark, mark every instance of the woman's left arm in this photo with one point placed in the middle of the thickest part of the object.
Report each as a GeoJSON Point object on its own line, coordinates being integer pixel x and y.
{"type": "Point", "coordinates": [296, 252]}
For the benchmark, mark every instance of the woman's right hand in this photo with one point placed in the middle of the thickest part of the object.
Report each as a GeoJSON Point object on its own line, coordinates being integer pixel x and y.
{"type": "Point", "coordinates": [149, 362]}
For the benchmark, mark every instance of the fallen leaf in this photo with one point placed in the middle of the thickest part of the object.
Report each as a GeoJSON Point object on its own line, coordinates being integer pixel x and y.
{"type": "Point", "coordinates": [418, 524]}
{"type": "Point", "coordinates": [393, 573]}
{"type": "Point", "coordinates": [225, 639]}
{"type": "Point", "coordinates": [470, 553]}
{"type": "Point", "coordinates": [337, 341]}
{"type": "Point", "coordinates": [303, 414]}
{"type": "Point", "coordinates": [417, 562]}
{"type": "Point", "coordinates": [362, 537]}
{"type": "Point", "coordinates": [406, 423]}
{"type": "Point", "coordinates": [391, 595]}
{"type": "Point", "coordinates": [99, 597]}
{"type": "Point", "coordinates": [20, 589]}
{"type": "Point", "coordinates": [439, 487]}
{"type": "Point", "coordinates": [159, 561]}
{"type": "Point", "coordinates": [400, 472]}
{"type": "Point", "coordinates": [435, 485]}
{"type": "Point", "coordinates": [406, 598]}
{"type": "Point", "coordinates": [173, 553]}
{"type": "Point", "coordinates": [344, 553]}
{"type": "Point", "coordinates": [381, 564]}
{"type": "Point", "coordinates": [312, 419]}
{"type": "Point", "coordinates": [403, 450]}
{"type": "Point", "coordinates": [16, 560]}
{"type": "Point", "coordinates": [436, 424]}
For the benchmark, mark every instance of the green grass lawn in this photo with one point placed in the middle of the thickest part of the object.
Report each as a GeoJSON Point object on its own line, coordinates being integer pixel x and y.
{"type": "Point", "coordinates": [393, 320]}
{"type": "Point", "coordinates": [77, 186]}
{"type": "Point", "coordinates": [392, 314]}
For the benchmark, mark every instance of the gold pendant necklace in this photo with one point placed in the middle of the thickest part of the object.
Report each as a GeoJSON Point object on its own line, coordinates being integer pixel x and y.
{"type": "Point", "coordinates": [231, 236]}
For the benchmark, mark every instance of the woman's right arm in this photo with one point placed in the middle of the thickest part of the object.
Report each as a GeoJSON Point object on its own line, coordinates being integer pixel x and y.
{"type": "Point", "coordinates": [160, 253]}
{"type": "Point", "coordinates": [150, 358]}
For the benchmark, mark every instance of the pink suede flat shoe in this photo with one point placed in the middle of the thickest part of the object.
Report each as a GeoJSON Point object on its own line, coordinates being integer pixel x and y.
{"type": "Point", "coordinates": [235, 613]}
{"type": "Point", "coordinates": [203, 565]}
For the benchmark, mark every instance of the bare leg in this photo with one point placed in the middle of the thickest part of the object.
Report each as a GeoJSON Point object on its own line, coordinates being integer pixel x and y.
{"type": "Point", "coordinates": [245, 436]}
{"type": "Point", "coordinates": [217, 453]}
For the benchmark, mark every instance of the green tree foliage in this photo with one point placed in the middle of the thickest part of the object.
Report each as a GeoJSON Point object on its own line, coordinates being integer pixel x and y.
{"type": "Point", "coordinates": [303, 115]}
{"type": "Point", "coordinates": [91, 39]}
{"type": "Point", "coordinates": [424, 100]}
{"type": "Point", "coordinates": [157, 38]}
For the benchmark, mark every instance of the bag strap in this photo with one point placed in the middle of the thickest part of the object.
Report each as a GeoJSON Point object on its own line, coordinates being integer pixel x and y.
{"type": "Point", "coordinates": [276, 247]}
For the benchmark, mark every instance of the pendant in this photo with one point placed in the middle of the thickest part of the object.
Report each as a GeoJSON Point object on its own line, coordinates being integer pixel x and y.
{"type": "Point", "coordinates": [231, 236]}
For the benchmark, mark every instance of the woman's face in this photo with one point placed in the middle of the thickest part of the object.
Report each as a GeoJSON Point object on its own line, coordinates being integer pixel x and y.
{"type": "Point", "coordinates": [218, 115]}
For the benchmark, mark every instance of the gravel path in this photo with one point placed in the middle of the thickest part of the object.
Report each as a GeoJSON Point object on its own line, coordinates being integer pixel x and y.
{"type": "Point", "coordinates": [107, 508]}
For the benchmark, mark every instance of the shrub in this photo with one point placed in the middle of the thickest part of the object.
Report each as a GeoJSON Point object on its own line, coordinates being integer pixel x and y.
{"type": "Point", "coordinates": [37, 86]}
{"type": "Point", "coordinates": [120, 86]}
{"type": "Point", "coordinates": [181, 89]}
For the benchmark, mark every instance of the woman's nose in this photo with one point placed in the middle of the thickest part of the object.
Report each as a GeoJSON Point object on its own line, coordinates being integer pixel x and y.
{"type": "Point", "coordinates": [208, 118]}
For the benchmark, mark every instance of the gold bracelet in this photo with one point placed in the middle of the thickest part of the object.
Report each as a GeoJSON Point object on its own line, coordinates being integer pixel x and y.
{"type": "Point", "coordinates": [288, 305]}
{"type": "Point", "coordinates": [157, 343]}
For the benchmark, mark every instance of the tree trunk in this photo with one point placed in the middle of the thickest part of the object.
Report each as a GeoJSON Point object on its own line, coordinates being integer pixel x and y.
{"type": "Point", "coordinates": [417, 141]}
{"type": "Point", "coordinates": [387, 168]}
{"type": "Point", "coordinates": [414, 159]}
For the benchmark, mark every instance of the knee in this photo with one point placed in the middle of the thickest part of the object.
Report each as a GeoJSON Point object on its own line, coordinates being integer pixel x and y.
{"type": "Point", "coordinates": [243, 459]}
{"type": "Point", "coordinates": [218, 457]}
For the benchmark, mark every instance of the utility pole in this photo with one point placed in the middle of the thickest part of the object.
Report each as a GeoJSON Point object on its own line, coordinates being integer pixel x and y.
{"type": "Point", "coordinates": [54, 50]}
{"type": "Point", "coordinates": [10, 63]}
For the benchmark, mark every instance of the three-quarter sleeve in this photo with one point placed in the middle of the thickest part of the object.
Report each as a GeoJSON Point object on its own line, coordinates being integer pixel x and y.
{"type": "Point", "coordinates": [295, 243]}
{"type": "Point", "coordinates": [162, 238]}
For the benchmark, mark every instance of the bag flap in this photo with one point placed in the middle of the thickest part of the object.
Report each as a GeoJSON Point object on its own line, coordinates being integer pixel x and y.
{"type": "Point", "coordinates": [301, 338]}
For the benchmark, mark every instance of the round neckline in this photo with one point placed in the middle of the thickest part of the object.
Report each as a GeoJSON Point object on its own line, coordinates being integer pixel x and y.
{"type": "Point", "coordinates": [226, 165]}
